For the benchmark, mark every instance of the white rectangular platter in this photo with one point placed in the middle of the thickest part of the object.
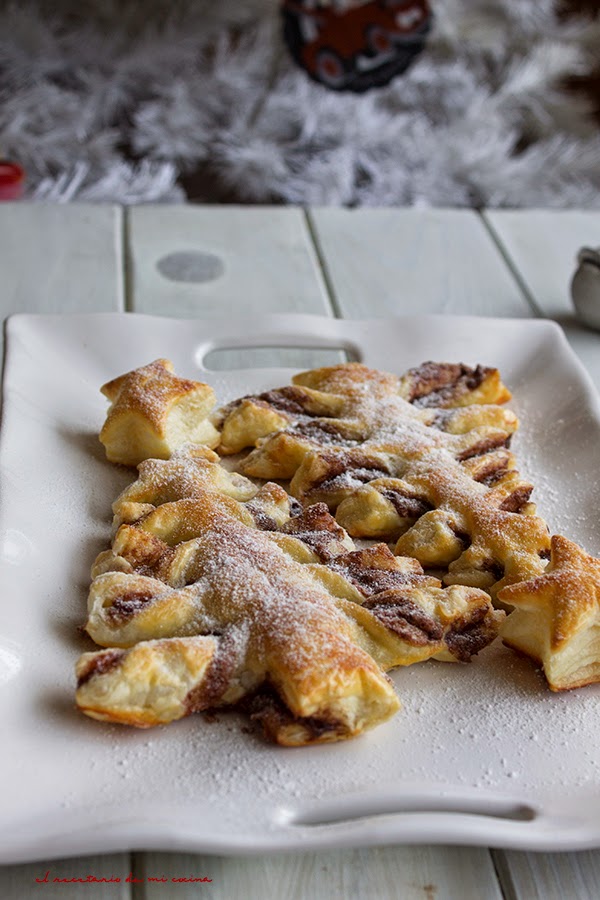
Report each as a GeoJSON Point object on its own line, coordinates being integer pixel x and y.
{"type": "Point", "coordinates": [479, 754]}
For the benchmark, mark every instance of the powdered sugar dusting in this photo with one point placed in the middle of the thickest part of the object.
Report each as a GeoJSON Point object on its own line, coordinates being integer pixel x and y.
{"type": "Point", "coordinates": [249, 579]}
{"type": "Point", "coordinates": [403, 441]}
{"type": "Point", "coordinates": [152, 389]}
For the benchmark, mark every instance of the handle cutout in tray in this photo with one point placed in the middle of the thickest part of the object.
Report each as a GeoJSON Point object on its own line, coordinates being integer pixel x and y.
{"type": "Point", "coordinates": [227, 358]}
{"type": "Point", "coordinates": [352, 809]}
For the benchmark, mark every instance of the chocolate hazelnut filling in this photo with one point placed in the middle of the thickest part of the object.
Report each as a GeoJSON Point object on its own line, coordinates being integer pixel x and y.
{"type": "Point", "coordinates": [218, 676]}
{"type": "Point", "coordinates": [345, 468]}
{"type": "Point", "coordinates": [100, 665]}
{"type": "Point", "coordinates": [436, 384]}
{"type": "Point", "coordinates": [350, 478]}
{"type": "Point", "coordinates": [492, 473]}
{"type": "Point", "coordinates": [370, 579]}
{"type": "Point", "coordinates": [288, 399]}
{"type": "Point", "coordinates": [323, 432]}
{"type": "Point", "coordinates": [518, 499]}
{"type": "Point", "coordinates": [314, 518]}
{"type": "Point", "coordinates": [268, 709]}
{"type": "Point", "coordinates": [317, 528]}
{"type": "Point", "coordinates": [263, 520]}
{"type": "Point", "coordinates": [467, 638]}
{"type": "Point", "coordinates": [484, 446]}
{"type": "Point", "coordinates": [495, 568]}
{"type": "Point", "coordinates": [405, 618]}
{"type": "Point", "coordinates": [464, 538]}
{"type": "Point", "coordinates": [128, 605]}
{"type": "Point", "coordinates": [296, 507]}
{"type": "Point", "coordinates": [406, 505]}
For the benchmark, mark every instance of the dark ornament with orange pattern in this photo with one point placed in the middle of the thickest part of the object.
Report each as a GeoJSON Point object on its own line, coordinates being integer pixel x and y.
{"type": "Point", "coordinates": [359, 47]}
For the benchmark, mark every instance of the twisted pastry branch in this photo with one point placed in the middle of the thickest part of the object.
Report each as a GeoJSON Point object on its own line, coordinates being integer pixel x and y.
{"type": "Point", "coordinates": [200, 607]}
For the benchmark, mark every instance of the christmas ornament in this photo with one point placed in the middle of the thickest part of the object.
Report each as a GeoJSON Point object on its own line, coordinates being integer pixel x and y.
{"type": "Point", "coordinates": [355, 46]}
{"type": "Point", "coordinates": [12, 177]}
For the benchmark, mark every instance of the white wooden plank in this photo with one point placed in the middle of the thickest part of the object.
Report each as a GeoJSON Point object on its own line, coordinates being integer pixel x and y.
{"type": "Point", "coordinates": [202, 261]}
{"type": "Point", "coordinates": [60, 258]}
{"type": "Point", "coordinates": [542, 247]}
{"type": "Point", "coordinates": [261, 260]}
{"type": "Point", "coordinates": [19, 882]}
{"type": "Point", "coordinates": [399, 261]}
{"type": "Point", "coordinates": [388, 873]}
{"type": "Point", "coordinates": [550, 876]}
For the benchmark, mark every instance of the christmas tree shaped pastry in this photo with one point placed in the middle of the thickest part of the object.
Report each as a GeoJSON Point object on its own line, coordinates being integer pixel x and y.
{"type": "Point", "coordinates": [205, 600]}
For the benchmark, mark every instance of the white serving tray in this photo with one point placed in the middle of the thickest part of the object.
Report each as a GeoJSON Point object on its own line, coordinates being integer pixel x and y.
{"type": "Point", "coordinates": [480, 754]}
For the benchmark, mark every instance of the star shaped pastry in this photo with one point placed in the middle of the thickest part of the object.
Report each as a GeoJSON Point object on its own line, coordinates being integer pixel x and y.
{"type": "Point", "coordinates": [153, 412]}
{"type": "Point", "coordinates": [556, 619]}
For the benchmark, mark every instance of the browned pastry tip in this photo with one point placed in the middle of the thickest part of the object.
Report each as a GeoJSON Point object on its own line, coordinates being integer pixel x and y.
{"type": "Point", "coordinates": [349, 380]}
{"type": "Point", "coordinates": [556, 617]}
{"type": "Point", "coordinates": [153, 412]}
{"type": "Point", "coordinates": [452, 384]}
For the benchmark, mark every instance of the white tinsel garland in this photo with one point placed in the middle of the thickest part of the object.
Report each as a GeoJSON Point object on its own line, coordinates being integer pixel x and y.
{"type": "Point", "coordinates": [115, 99]}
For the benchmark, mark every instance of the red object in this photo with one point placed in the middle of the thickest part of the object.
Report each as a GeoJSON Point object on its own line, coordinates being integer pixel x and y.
{"type": "Point", "coordinates": [12, 179]}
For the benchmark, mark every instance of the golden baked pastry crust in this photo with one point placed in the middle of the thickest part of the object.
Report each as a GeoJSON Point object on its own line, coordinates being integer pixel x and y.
{"type": "Point", "coordinates": [153, 412]}
{"type": "Point", "coordinates": [556, 617]}
{"type": "Point", "coordinates": [190, 470]}
{"type": "Point", "coordinates": [472, 529]}
{"type": "Point", "coordinates": [452, 384]}
{"type": "Point", "coordinates": [293, 607]}
{"type": "Point", "coordinates": [217, 592]}
{"type": "Point", "coordinates": [420, 459]}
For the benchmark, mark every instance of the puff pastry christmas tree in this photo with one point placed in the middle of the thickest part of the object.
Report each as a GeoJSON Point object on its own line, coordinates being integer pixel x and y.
{"type": "Point", "coordinates": [215, 591]}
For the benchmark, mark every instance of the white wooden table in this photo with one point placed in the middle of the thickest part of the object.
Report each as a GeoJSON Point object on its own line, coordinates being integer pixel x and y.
{"type": "Point", "coordinates": [336, 263]}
